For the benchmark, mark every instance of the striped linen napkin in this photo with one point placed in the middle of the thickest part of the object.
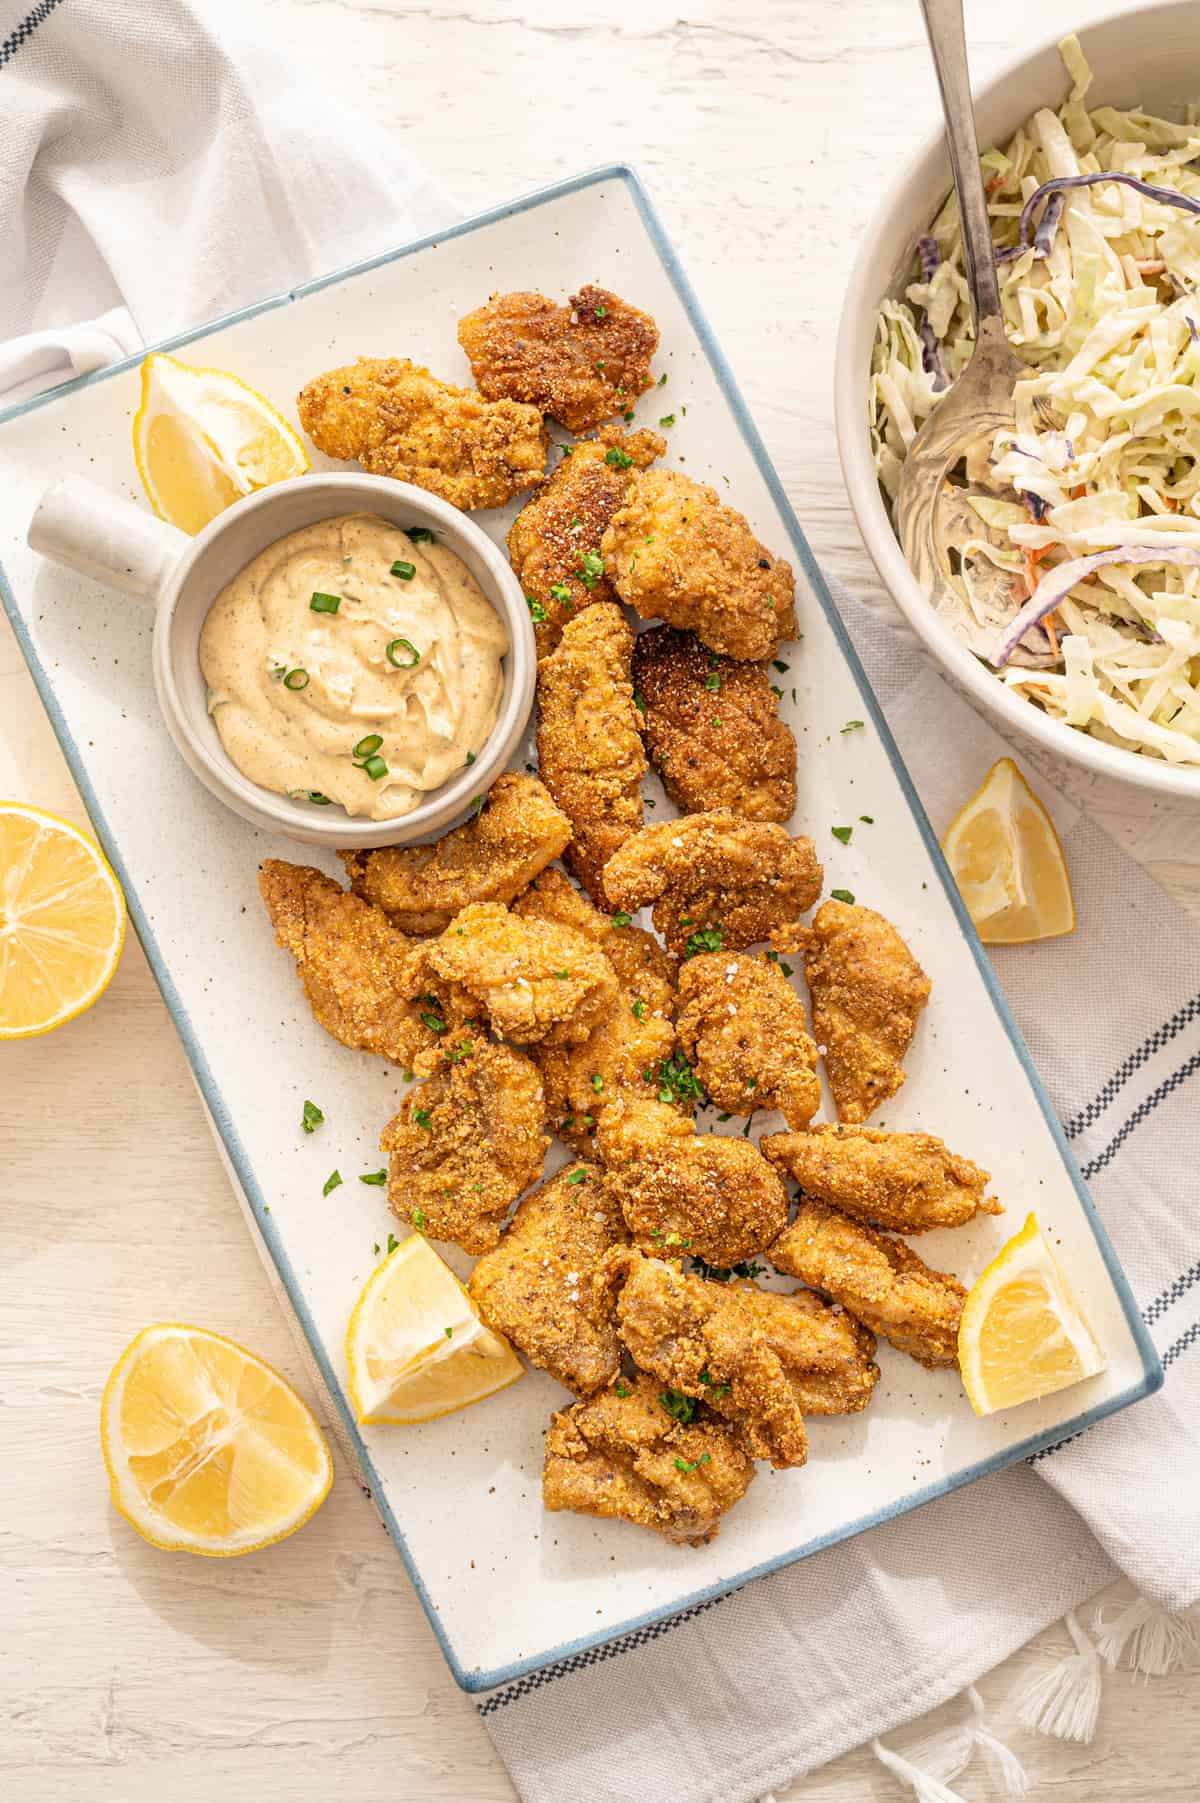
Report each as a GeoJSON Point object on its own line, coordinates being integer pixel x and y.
{"type": "Point", "coordinates": [735, 1699]}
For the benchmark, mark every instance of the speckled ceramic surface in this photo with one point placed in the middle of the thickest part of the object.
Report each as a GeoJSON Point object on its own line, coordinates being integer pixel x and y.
{"type": "Point", "coordinates": [508, 1588]}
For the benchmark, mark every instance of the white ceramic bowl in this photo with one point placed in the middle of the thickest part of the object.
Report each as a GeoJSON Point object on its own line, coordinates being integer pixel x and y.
{"type": "Point", "coordinates": [1148, 58]}
{"type": "Point", "coordinates": [90, 530]}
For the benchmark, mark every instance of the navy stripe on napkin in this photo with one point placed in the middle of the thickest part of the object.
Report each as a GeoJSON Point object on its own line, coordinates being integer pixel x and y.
{"type": "Point", "coordinates": [25, 30]}
{"type": "Point", "coordinates": [596, 1655]}
{"type": "Point", "coordinates": [1155, 1042]}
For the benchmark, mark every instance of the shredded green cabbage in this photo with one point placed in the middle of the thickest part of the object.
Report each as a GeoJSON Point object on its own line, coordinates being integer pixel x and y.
{"type": "Point", "coordinates": [1106, 447]}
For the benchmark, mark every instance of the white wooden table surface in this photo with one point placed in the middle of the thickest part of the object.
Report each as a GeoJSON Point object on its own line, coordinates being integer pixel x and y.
{"type": "Point", "coordinates": [766, 131]}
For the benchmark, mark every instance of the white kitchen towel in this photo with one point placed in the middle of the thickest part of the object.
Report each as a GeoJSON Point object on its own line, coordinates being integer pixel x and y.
{"type": "Point", "coordinates": [152, 177]}
{"type": "Point", "coordinates": [155, 175]}
{"type": "Point", "coordinates": [746, 1693]}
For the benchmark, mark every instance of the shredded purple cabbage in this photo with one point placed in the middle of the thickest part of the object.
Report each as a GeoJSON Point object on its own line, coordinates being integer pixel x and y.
{"type": "Point", "coordinates": [1037, 507]}
{"type": "Point", "coordinates": [1057, 584]}
{"type": "Point", "coordinates": [929, 256]}
{"type": "Point", "coordinates": [1043, 238]}
{"type": "Point", "coordinates": [1192, 329]}
{"type": "Point", "coordinates": [931, 356]}
{"type": "Point", "coordinates": [1169, 197]}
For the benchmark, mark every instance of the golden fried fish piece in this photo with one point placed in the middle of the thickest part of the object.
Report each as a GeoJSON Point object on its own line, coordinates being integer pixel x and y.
{"type": "Point", "coordinates": [621, 1456]}
{"type": "Point", "coordinates": [534, 979]}
{"type": "Point", "coordinates": [744, 1029]}
{"type": "Point", "coordinates": [580, 363]}
{"type": "Point", "coordinates": [398, 420]}
{"type": "Point", "coordinates": [879, 1280]}
{"type": "Point", "coordinates": [906, 1182]}
{"type": "Point", "coordinates": [701, 1340]}
{"type": "Point", "coordinates": [867, 994]}
{"type": "Point", "coordinates": [554, 542]}
{"type": "Point", "coordinates": [828, 1357]}
{"type": "Point", "coordinates": [711, 726]}
{"type": "Point", "coordinates": [717, 882]}
{"type": "Point", "coordinates": [632, 1038]}
{"type": "Point", "coordinates": [711, 1195]}
{"type": "Point", "coordinates": [465, 1144]}
{"type": "Point", "coordinates": [538, 1285]}
{"type": "Point", "coordinates": [352, 962]}
{"type": "Point", "coordinates": [589, 748]}
{"type": "Point", "coordinates": [491, 857]}
{"type": "Point", "coordinates": [675, 552]}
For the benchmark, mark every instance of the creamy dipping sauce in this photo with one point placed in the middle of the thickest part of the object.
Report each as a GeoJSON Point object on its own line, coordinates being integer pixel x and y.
{"type": "Point", "coordinates": [332, 672]}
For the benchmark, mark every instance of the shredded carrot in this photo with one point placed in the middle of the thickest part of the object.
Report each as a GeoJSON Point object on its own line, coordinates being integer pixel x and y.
{"type": "Point", "coordinates": [997, 181]}
{"type": "Point", "coordinates": [1051, 632]}
{"type": "Point", "coordinates": [1077, 494]}
{"type": "Point", "coordinates": [1032, 560]}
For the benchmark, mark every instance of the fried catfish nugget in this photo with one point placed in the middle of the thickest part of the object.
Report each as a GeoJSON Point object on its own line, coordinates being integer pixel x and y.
{"type": "Point", "coordinates": [674, 551]}
{"type": "Point", "coordinates": [493, 857]}
{"type": "Point", "coordinates": [700, 1340]}
{"type": "Point", "coordinates": [717, 882]}
{"type": "Point", "coordinates": [580, 363]}
{"type": "Point", "coordinates": [828, 1357]}
{"type": "Point", "coordinates": [879, 1280]}
{"type": "Point", "coordinates": [398, 420]}
{"type": "Point", "coordinates": [589, 747]}
{"type": "Point", "coordinates": [709, 1194]}
{"type": "Point", "coordinates": [622, 1457]}
{"type": "Point", "coordinates": [867, 994]}
{"type": "Point", "coordinates": [352, 962]}
{"type": "Point", "coordinates": [711, 726]}
{"type": "Point", "coordinates": [632, 1038]}
{"type": "Point", "coordinates": [538, 1285]}
{"type": "Point", "coordinates": [465, 1144]}
{"type": "Point", "coordinates": [534, 979]}
{"type": "Point", "coordinates": [554, 542]}
{"type": "Point", "coordinates": [744, 1029]}
{"type": "Point", "coordinates": [908, 1182]}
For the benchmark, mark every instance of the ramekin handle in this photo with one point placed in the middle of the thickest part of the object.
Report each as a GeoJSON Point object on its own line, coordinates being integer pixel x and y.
{"type": "Point", "coordinates": [79, 524]}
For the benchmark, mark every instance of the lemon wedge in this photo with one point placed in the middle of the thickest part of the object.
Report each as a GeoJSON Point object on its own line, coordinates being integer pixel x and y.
{"type": "Point", "coordinates": [62, 921]}
{"type": "Point", "coordinates": [202, 439]}
{"type": "Point", "coordinates": [208, 1449]}
{"type": "Point", "coordinates": [1008, 863]}
{"type": "Point", "coordinates": [415, 1346]}
{"type": "Point", "coordinates": [1022, 1334]}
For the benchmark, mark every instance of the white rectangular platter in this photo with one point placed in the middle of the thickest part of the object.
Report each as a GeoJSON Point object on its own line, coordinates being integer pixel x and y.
{"type": "Point", "coordinates": [507, 1588]}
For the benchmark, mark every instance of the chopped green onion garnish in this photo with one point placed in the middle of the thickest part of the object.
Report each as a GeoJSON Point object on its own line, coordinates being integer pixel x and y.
{"type": "Point", "coordinates": [712, 682]}
{"type": "Point", "coordinates": [619, 459]}
{"type": "Point", "coordinates": [622, 919]}
{"type": "Point", "coordinates": [374, 768]}
{"type": "Point", "coordinates": [537, 612]}
{"type": "Point", "coordinates": [366, 746]}
{"type": "Point", "coordinates": [560, 591]}
{"type": "Point", "coordinates": [315, 795]}
{"type": "Point", "coordinates": [311, 1118]}
{"type": "Point", "coordinates": [392, 1244]}
{"type": "Point", "coordinates": [332, 1182]}
{"type": "Point", "coordinates": [403, 654]}
{"type": "Point", "coordinates": [842, 832]}
{"type": "Point", "coordinates": [470, 757]}
{"type": "Point", "coordinates": [372, 1177]}
{"type": "Point", "coordinates": [668, 419]}
{"type": "Point", "coordinates": [867, 819]}
{"type": "Point", "coordinates": [324, 604]}
{"type": "Point", "coordinates": [851, 726]}
{"type": "Point", "coordinates": [419, 1219]}
{"type": "Point", "coordinates": [420, 535]}
{"type": "Point", "coordinates": [405, 571]}
{"type": "Point", "coordinates": [295, 680]}
{"type": "Point", "coordinates": [421, 1117]}
{"type": "Point", "coordinates": [842, 895]}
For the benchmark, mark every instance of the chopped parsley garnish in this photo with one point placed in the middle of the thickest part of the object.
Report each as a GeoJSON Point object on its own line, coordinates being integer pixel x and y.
{"type": "Point", "coordinates": [537, 612]}
{"type": "Point", "coordinates": [599, 312]}
{"type": "Point", "coordinates": [678, 1406]}
{"type": "Point", "coordinates": [422, 1117]}
{"type": "Point", "coordinates": [622, 919]}
{"type": "Point", "coordinates": [712, 681]}
{"type": "Point", "coordinates": [560, 591]}
{"type": "Point", "coordinates": [470, 758]}
{"type": "Point", "coordinates": [676, 1080]}
{"type": "Point", "coordinates": [619, 459]}
{"type": "Point", "coordinates": [662, 380]}
{"type": "Point", "coordinates": [686, 1465]}
{"type": "Point", "coordinates": [477, 806]}
{"type": "Point", "coordinates": [776, 959]}
{"type": "Point", "coordinates": [843, 895]}
{"type": "Point", "coordinates": [324, 604]}
{"type": "Point", "coordinates": [460, 1052]}
{"type": "Point", "coordinates": [777, 692]}
{"type": "Point", "coordinates": [668, 419]}
{"type": "Point", "coordinates": [722, 1273]}
{"type": "Point", "coordinates": [712, 1386]}
{"type": "Point", "coordinates": [639, 701]}
{"type": "Point", "coordinates": [708, 939]}
{"type": "Point", "coordinates": [842, 832]}
{"type": "Point", "coordinates": [638, 1009]}
{"type": "Point", "coordinates": [378, 1178]}
{"type": "Point", "coordinates": [622, 1390]}
{"type": "Point", "coordinates": [597, 1082]}
{"type": "Point", "coordinates": [627, 416]}
{"type": "Point", "coordinates": [312, 1117]}
{"type": "Point", "coordinates": [590, 570]}
{"type": "Point", "coordinates": [419, 1219]}
{"type": "Point", "coordinates": [781, 667]}
{"type": "Point", "coordinates": [434, 1022]}
{"type": "Point", "coordinates": [392, 1243]}
{"type": "Point", "coordinates": [562, 975]}
{"type": "Point", "coordinates": [577, 1176]}
{"type": "Point", "coordinates": [332, 1182]}
{"type": "Point", "coordinates": [405, 571]}
{"type": "Point", "coordinates": [867, 819]}
{"type": "Point", "coordinates": [852, 726]}
{"type": "Point", "coordinates": [449, 1332]}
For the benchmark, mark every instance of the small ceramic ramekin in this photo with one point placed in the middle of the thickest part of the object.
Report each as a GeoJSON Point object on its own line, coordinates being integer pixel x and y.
{"type": "Point", "coordinates": [83, 526]}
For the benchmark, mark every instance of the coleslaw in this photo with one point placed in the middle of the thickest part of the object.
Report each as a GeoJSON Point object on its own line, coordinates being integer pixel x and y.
{"type": "Point", "coordinates": [1076, 566]}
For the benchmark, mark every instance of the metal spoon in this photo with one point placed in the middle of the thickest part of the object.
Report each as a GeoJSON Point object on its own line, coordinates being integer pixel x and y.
{"type": "Point", "coordinates": [964, 424]}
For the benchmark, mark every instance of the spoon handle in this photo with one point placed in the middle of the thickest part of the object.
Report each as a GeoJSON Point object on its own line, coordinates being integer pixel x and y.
{"type": "Point", "coordinates": [944, 25]}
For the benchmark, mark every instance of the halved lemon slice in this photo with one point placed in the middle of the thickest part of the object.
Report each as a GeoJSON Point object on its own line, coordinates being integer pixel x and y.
{"type": "Point", "coordinates": [62, 921]}
{"type": "Point", "coordinates": [1008, 863]}
{"type": "Point", "coordinates": [203, 439]}
{"type": "Point", "coordinates": [415, 1346]}
{"type": "Point", "coordinates": [208, 1449]}
{"type": "Point", "coordinates": [1022, 1334]}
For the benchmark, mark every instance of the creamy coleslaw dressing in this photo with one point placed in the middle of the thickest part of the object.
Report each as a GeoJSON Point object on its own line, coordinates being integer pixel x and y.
{"type": "Point", "coordinates": [262, 638]}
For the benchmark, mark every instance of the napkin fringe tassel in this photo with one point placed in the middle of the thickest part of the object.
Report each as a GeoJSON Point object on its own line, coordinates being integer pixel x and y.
{"type": "Point", "coordinates": [1065, 1701]}
{"type": "Point", "coordinates": [1157, 1641]}
{"type": "Point", "coordinates": [932, 1764]}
